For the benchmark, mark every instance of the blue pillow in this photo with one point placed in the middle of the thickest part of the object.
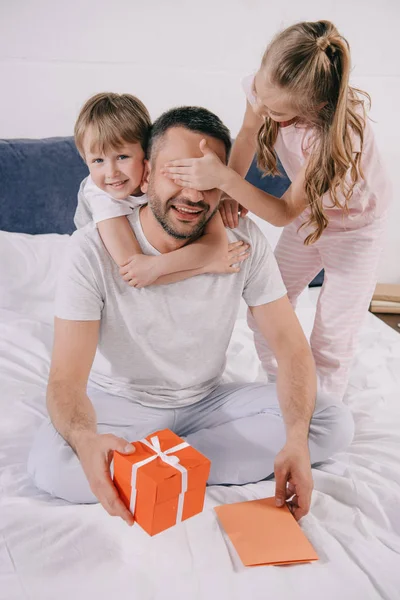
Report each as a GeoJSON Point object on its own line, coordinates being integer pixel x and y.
{"type": "Point", "coordinates": [39, 184]}
{"type": "Point", "coordinates": [275, 185]}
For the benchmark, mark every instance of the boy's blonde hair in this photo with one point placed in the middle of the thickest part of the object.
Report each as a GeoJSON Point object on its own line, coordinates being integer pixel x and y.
{"type": "Point", "coordinates": [113, 119]}
{"type": "Point", "coordinates": [311, 63]}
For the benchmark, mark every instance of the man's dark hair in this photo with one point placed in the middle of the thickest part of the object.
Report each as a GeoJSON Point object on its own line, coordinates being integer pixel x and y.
{"type": "Point", "coordinates": [193, 118]}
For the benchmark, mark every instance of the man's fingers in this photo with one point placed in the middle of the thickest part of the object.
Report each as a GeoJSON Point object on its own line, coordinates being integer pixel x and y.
{"type": "Point", "coordinates": [108, 494]}
{"type": "Point", "coordinates": [110, 500]}
{"type": "Point", "coordinates": [243, 211]}
{"type": "Point", "coordinates": [290, 490]}
{"type": "Point", "coordinates": [281, 477]}
{"type": "Point", "coordinates": [297, 511]}
{"type": "Point", "coordinates": [113, 442]}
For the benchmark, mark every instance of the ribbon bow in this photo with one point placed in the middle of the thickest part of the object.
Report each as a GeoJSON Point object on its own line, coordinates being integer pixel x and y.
{"type": "Point", "coordinates": [173, 461]}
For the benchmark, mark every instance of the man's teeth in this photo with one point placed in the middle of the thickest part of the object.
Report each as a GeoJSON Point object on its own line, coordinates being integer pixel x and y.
{"type": "Point", "coordinates": [187, 210]}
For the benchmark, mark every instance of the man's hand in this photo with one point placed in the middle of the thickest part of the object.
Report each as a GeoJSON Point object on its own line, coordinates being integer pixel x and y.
{"type": "Point", "coordinates": [95, 452]}
{"type": "Point", "coordinates": [229, 262]}
{"type": "Point", "coordinates": [140, 271]}
{"type": "Point", "coordinates": [293, 478]}
{"type": "Point", "coordinates": [230, 210]}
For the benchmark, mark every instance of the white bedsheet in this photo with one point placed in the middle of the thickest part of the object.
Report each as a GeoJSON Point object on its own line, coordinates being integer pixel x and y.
{"type": "Point", "coordinates": [52, 550]}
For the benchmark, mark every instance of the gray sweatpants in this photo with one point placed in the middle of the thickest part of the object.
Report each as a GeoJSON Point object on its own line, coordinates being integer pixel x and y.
{"type": "Point", "coordinates": [239, 427]}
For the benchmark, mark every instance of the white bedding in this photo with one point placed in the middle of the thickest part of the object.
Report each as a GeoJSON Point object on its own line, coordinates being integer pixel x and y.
{"type": "Point", "coordinates": [52, 550]}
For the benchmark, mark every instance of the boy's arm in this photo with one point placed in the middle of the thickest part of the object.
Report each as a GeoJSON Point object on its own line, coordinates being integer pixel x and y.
{"type": "Point", "coordinates": [198, 254]}
{"type": "Point", "coordinates": [118, 237]}
{"type": "Point", "coordinates": [211, 253]}
{"type": "Point", "coordinates": [120, 241]}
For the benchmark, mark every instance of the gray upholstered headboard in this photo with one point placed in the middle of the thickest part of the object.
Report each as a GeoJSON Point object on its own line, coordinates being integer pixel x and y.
{"type": "Point", "coordinates": [39, 181]}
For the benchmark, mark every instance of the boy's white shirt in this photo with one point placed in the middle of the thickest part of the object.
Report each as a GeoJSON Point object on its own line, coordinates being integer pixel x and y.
{"type": "Point", "coordinates": [95, 205]}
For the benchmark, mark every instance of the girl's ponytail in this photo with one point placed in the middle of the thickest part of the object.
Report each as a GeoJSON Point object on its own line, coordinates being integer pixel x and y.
{"type": "Point", "coordinates": [266, 138]}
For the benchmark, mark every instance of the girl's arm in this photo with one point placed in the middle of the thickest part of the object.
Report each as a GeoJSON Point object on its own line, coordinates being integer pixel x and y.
{"type": "Point", "coordinates": [245, 145]}
{"type": "Point", "coordinates": [243, 151]}
{"type": "Point", "coordinates": [277, 211]}
{"type": "Point", "coordinates": [209, 172]}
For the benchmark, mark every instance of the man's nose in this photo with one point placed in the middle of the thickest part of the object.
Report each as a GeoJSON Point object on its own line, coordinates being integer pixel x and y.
{"type": "Point", "coordinates": [193, 195]}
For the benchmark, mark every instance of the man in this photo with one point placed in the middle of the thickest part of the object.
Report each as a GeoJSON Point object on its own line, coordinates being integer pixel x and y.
{"type": "Point", "coordinates": [162, 351]}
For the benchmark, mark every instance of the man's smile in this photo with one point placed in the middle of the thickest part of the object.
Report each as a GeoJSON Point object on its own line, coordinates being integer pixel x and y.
{"type": "Point", "coordinates": [189, 213]}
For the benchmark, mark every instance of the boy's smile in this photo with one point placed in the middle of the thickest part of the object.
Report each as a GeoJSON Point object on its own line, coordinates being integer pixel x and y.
{"type": "Point", "coordinates": [116, 171]}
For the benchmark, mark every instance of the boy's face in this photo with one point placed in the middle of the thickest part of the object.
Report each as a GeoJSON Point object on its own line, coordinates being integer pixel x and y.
{"type": "Point", "coordinates": [116, 172]}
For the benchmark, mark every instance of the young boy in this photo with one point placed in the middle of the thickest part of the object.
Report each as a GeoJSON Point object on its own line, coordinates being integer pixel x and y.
{"type": "Point", "coordinates": [111, 135]}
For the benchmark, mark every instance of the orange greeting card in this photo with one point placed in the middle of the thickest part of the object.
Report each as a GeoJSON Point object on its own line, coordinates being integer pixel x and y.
{"type": "Point", "coordinates": [163, 482]}
{"type": "Point", "coordinates": [264, 534]}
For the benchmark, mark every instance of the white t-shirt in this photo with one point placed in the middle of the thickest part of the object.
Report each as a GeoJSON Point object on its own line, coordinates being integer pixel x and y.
{"type": "Point", "coordinates": [163, 346]}
{"type": "Point", "coordinates": [95, 205]}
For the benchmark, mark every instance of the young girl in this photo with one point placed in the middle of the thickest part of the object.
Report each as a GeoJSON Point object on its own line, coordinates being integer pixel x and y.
{"type": "Point", "coordinates": [111, 134]}
{"type": "Point", "coordinates": [301, 107]}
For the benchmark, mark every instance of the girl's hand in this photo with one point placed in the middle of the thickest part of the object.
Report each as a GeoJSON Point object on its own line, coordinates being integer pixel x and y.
{"type": "Point", "coordinates": [229, 262]}
{"type": "Point", "coordinates": [204, 173]}
{"type": "Point", "coordinates": [140, 271]}
{"type": "Point", "coordinates": [230, 210]}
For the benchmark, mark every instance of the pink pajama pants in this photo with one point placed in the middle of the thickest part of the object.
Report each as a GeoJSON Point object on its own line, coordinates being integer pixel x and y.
{"type": "Point", "coordinates": [350, 259]}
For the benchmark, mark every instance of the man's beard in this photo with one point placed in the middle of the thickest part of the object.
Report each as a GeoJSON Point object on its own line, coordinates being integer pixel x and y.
{"type": "Point", "coordinates": [161, 213]}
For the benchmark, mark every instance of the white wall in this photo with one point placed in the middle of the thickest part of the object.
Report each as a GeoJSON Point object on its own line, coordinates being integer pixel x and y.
{"type": "Point", "coordinates": [54, 55]}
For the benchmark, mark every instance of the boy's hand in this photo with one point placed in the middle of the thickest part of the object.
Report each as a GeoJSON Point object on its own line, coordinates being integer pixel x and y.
{"type": "Point", "coordinates": [140, 271]}
{"type": "Point", "coordinates": [229, 262]}
{"type": "Point", "coordinates": [230, 210]}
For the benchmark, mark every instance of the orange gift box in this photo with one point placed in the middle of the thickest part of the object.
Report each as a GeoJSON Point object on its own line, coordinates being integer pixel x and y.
{"type": "Point", "coordinates": [163, 482]}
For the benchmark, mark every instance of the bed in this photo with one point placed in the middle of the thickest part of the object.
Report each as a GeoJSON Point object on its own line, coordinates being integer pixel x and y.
{"type": "Point", "coordinates": [51, 549]}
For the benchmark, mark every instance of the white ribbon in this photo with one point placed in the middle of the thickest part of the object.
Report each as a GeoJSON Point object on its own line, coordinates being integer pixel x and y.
{"type": "Point", "coordinates": [173, 461]}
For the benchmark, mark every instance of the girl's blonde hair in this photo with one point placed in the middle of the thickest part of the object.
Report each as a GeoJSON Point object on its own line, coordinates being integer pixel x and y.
{"type": "Point", "coordinates": [311, 63]}
{"type": "Point", "coordinates": [113, 119]}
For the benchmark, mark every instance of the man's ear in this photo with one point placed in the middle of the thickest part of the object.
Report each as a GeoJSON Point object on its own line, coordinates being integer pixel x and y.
{"type": "Point", "coordinates": [144, 185]}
